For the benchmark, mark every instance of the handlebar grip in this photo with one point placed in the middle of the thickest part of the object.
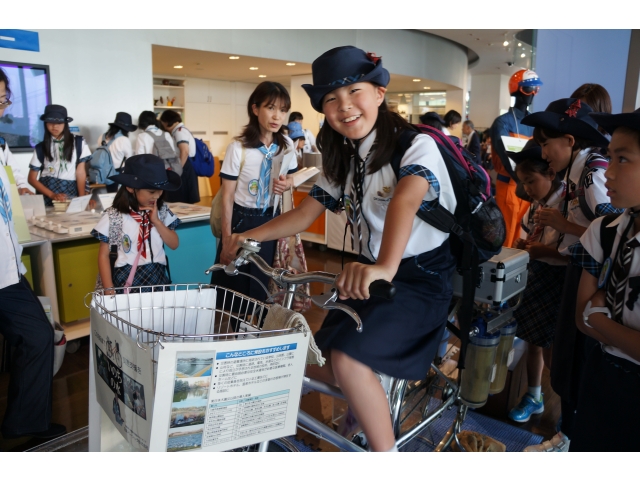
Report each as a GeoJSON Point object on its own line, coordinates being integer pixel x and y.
{"type": "Point", "coordinates": [382, 289]}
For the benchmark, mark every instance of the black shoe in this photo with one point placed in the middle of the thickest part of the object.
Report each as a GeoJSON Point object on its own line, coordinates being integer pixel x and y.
{"type": "Point", "coordinates": [55, 430]}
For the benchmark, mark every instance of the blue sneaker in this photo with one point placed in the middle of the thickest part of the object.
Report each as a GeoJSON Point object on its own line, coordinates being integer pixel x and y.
{"type": "Point", "coordinates": [528, 406]}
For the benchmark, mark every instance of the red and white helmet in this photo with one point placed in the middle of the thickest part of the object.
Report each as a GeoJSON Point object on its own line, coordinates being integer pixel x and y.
{"type": "Point", "coordinates": [525, 81]}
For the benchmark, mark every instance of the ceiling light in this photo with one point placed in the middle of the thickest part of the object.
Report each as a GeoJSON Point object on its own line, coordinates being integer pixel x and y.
{"type": "Point", "coordinates": [519, 44]}
{"type": "Point", "coordinates": [522, 55]}
{"type": "Point", "coordinates": [262, 76]}
{"type": "Point", "coordinates": [399, 94]}
{"type": "Point", "coordinates": [505, 43]}
{"type": "Point", "coordinates": [177, 66]}
{"type": "Point", "coordinates": [290, 64]}
{"type": "Point", "coordinates": [233, 57]}
{"type": "Point", "coordinates": [253, 68]}
{"type": "Point", "coordinates": [416, 79]}
{"type": "Point", "coordinates": [427, 88]}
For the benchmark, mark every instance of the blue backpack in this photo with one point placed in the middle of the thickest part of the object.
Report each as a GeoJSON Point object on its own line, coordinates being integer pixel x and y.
{"type": "Point", "coordinates": [202, 162]}
{"type": "Point", "coordinates": [101, 163]}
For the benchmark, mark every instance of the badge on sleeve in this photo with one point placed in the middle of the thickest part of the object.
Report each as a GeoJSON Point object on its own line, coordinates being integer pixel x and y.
{"type": "Point", "coordinates": [126, 243]}
{"type": "Point", "coordinates": [605, 272]}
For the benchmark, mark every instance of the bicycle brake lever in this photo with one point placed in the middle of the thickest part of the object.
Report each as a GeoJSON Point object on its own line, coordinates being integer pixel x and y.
{"type": "Point", "coordinates": [329, 303]}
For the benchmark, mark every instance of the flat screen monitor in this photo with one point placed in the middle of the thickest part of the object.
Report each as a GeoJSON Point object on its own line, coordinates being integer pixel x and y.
{"type": "Point", "coordinates": [20, 123]}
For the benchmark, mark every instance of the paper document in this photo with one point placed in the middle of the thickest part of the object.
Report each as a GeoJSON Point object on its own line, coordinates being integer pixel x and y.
{"type": "Point", "coordinates": [106, 199]}
{"type": "Point", "coordinates": [78, 204]}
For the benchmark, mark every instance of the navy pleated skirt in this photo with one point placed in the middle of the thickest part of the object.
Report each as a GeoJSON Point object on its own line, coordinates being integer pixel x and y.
{"type": "Point", "coordinates": [400, 337]}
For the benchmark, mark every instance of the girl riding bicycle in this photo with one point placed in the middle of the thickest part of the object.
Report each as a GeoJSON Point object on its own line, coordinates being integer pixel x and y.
{"type": "Point", "coordinates": [357, 141]}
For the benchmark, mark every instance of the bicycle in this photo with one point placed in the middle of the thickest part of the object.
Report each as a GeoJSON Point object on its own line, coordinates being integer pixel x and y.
{"type": "Point", "coordinates": [404, 396]}
{"type": "Point", "coordinates": [113, 352]}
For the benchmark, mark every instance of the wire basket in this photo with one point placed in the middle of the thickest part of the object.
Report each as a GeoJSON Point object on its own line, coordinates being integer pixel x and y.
{"type": "Point", "coordinates": [182, 313]}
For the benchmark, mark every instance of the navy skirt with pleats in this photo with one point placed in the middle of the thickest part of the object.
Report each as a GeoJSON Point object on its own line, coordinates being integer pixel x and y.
{"type": "Point", "coordinates": [400, 337]}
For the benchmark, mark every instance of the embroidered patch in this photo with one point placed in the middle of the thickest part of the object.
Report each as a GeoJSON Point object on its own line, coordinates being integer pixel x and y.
{"type": "Point", "coordinates": [253, 187]}
{"type": "Point", "coordinates": [605, 272]}
{"type": "Point", "coordinates": [126, 243]}
{"type": "Point", "coordinates": [588, 179]}
{"type": "Point", "coordinates": [348, 208]}
{"type": "Point", "coordinates": [384, 193]}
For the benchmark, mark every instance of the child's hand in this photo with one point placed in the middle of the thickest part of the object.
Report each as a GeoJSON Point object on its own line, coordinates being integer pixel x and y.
{"type": "Point", "coordinates": [153, 214]}
{"type": "Point", "coordinates": [230, 246]}
{"type": "Point", "coordinates": [551, 217]}
{"type": "Point", "coordinates": [280, 185]}
{"type": "Point", "coordinates": [536, 250]}
{"type": "Point", "coordinates": [59, 197]}
{"type": "Point", "coordinates": [520, 244]}
{"type": "Point", "coordinates": [356, 277]}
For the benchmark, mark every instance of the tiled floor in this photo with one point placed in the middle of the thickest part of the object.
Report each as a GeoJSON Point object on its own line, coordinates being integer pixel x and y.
{"type": "Point", "coordinates": [70, 387]}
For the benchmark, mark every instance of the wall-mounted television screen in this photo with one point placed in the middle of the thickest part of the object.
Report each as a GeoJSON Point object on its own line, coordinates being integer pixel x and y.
{"type": "Point", "coordinates": [20, 123]}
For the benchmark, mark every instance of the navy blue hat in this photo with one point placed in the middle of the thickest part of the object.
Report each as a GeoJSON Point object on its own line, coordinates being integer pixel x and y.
{"type": "Point", "coordinates": [432, 116]}
{"type": "Point", "coordinates": [147, 171]}
{"type": "Point", "coordinates": [533, 153]}
{"type": "Point", "coordinates": [123, 120]}
{"type": "Point", "coordinates": [295, 130]}
{"type": "Point", "coordinates": [342, 66]}
{"type": "Point", "coordinates": [55, 114]}
{"type": "Point", "coordinates": [569, 116]}
{"type": "Point", "coordinates": [611, 122]}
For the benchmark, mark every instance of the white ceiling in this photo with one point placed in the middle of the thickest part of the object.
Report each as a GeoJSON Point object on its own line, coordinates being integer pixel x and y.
{"type": "Point", "coordinates": [488, 47]}
{"type": "Point", "coordinates": [487, 55]}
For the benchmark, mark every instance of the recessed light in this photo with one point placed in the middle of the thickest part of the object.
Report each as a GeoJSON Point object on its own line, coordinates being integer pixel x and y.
{"type": "Point", "coordinates": [519, 44]}
{"type": "Point", "coordinates": [400, 95]}
{"type": "Point", "coordinates": [522, 55]}
{"type": "Point", "coordinates": [262, 76]}
{"type": "Point", "coordinates": [253, 68]}
{"type": "Point", "coordinates": [427, 88]}
{"type": "Point", "coordinates": [290, 64]}
{"type": "Point", "coordinates": [416, 79]}
{"type": "Point", "coordinates": [177, 66]}
{"type": "Point", "coordinates": [505, 43]}
{"type": "Point", "coordinates": [233, 57]}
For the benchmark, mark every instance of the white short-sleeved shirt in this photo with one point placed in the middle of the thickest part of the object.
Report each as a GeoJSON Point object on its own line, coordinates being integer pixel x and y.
{"type": "Point", "coordinates": [595, 194]}
{"type": "Point", "coordinates": [62, 170]}
{"type": "Point", "coordinates": [590, 240]}
{"type": "Point", "coordinates": [546, 235]}
{"type": "Point", "coordinates": [128, 248]}
{"type": "Point", "coordinates": [247, 187]}
{"type": "Point", "coordinates": [423, 159]}
{"type": "Point", "coordinates": [11, 266]}
{"type": "Point", "coordinates": [180, 135]}
{"type": "Point", "coordinates": [120, 149]}
{"type": "Point", "coordinates": [309, 141]}
{"type": "Point", "coordinates": [145, 144]}
{"type": "Point", "coordinates": [7, 159]}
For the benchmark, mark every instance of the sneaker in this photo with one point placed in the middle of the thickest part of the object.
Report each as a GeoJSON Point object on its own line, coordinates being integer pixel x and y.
{"type": "Point", "coordinates": [559, 443]}
{"type": "Point", "coordinates": [528, 406]}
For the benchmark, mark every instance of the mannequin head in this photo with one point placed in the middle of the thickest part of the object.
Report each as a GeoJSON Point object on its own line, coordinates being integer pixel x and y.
{"type": "Point", "coordinates": [523, 86]}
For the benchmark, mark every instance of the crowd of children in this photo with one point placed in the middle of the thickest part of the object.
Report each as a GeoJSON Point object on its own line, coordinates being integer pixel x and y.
{"type": "Point", "coordinates": [580, 230]}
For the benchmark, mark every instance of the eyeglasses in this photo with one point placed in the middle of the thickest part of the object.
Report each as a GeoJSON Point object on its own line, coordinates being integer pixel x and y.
{"type": "Point", "coordinates": [5, 103]}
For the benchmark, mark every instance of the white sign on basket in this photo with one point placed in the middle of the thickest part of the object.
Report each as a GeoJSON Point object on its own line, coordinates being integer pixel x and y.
{"type": "Point", "coordinates": [124, 380]}
{"type": "Point", "coordinates": [216, 396]}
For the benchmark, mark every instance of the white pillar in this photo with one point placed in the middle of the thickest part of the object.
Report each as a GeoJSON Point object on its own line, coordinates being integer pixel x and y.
{"type": "Point", "coordinates": [489, 98]}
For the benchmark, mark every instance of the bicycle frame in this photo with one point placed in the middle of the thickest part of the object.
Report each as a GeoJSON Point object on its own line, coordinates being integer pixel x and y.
{"type": "Point", "coordinates": [398, 387]}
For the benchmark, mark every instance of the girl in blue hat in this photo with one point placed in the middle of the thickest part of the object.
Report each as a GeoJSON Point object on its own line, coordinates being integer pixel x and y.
{"type": "Point", "coordinates": [607, 307]}
{"type": "Point", "coordinates": [134, 230]}
{"type": "Point", "coordinates": [57, 168]}
{"type": "Point", "coordinates": [357, 141]}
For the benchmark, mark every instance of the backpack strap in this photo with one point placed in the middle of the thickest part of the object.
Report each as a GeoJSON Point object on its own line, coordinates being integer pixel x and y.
{"type": "Point", "coordinates": [40, 152]}
{"type": "Point", "coordinates": [594, 161]}
{"type": "Point", "coordinates": [78, 142]}
{"type": "Point", "coordinates": [608, 235]}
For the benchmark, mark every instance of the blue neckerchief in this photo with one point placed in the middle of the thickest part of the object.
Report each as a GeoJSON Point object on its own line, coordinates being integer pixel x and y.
{"type": "Point", "coordinates": [262, 201]}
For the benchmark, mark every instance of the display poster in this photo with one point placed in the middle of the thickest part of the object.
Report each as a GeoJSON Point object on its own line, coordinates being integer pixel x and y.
{"type": "Point", "coordinates": [124, 380]}
{"type": "Point", "coordinates": [216, 396]}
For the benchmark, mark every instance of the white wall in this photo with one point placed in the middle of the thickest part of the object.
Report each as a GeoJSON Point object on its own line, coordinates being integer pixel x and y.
{"type": "Point", "coordinates": [489, 95]}
{"type": "Point", "coordinates": [96, 73]}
